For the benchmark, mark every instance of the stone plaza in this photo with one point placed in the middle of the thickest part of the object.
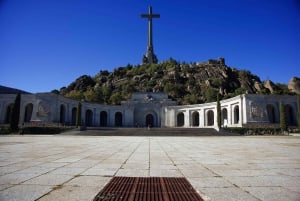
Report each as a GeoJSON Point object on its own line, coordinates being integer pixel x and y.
{"type": "Point", "coordinates": [76, 167]}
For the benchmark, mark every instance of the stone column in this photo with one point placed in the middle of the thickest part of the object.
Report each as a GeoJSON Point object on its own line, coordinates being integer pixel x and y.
{"type": "Point", "coordinates": [230, 115]}
{"type": "Point", "coordinates": [111, 118]}
{"type": "Point", "coordinates": [186, 119]}
{"type": "Point", "coordinates": [244, 110]}
{"type": "Point", "coordinates": [202, 118]}
{"type": "Point", "coordinates": [2, 112]}
{"type": "Point", "coordinates": [94, 123]}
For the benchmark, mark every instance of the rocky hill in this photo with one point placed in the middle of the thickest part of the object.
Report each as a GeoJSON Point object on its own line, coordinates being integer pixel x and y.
{"type": "Point", "coordinates": [188, 83]}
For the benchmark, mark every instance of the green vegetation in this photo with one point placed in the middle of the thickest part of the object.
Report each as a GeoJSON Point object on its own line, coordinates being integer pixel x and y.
{"type": "Point", "coordinates": [188, 83]}
{"type": "Point", "coordinates": [254, 131]}
{"type": "Point", "coordinates": [78, 115]}
{"type": "Point", "coordinates": [283, 124]}
{"type": "Point", "coordinates": [15, 115]}
{"type": "Point", "coordinates": [298, 113]}
{"type": "Point", "coordinates": [34, 130]}
{"type": "Point", "coordinates": [44, 130]}
{"type": "Point", "coordinates": [282, 89]}
{"type": "Point", "coordinates": [5, 130]}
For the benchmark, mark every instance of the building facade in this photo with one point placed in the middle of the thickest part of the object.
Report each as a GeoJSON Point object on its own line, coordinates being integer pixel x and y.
{"type": "Point", "coordinates": [150, 109]}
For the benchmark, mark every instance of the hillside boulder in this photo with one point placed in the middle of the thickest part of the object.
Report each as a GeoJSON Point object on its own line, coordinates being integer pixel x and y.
{"type": "Point", "coordinates": [294, 85]}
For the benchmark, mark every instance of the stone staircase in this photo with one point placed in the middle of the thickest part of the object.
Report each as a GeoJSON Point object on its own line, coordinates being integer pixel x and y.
{"type": "Point", "coordinates": [94, 131]}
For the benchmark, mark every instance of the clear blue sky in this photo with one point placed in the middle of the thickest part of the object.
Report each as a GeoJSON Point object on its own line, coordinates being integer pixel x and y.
{"type": "Point", "coordinates": [47, 44]}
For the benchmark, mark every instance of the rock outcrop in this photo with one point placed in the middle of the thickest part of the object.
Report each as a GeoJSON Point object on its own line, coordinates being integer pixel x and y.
{"type": "Point", "coordinates": [188, 83]}
{"type": "Point", "coordinates": [294, 85]}
{"type": "Point", "coordinates": [270, 86]}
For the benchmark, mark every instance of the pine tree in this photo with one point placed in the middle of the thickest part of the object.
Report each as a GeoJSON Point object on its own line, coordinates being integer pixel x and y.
{"type": "Point", "coordinates": [283, 124]}
{"type": "Point", "coordinates": [218, 111]}
{"type": "Point", "coordinates": [78, 115]}
{"type": "Point", "coordinates": [298, 112]}
{"type": "Point", "coordinates": [15, 115]}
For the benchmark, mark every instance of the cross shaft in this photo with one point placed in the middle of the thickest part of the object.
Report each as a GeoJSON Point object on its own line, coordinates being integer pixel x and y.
{"type": "Point", "coordinates": [150, 56]}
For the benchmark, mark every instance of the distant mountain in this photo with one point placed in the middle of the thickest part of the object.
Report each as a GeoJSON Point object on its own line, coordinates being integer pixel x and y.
{"type": "Point", "coordinates": [9, 90]}
{"type": "Point", "coordinates": [188, 83]}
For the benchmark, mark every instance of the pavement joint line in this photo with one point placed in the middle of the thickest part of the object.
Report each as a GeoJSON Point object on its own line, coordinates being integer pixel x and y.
{"type": "Point", "coordinates": [61, 185]}
{"type": "Point", "coordinates": [211, 172]}
{"type": "Point", "coordinates": [273, 162]}
{"type": "Point", "coordinates": [166, 153]}
{"type": "Point", "coordinates": [149, 155]}
{"type": "Point", "coordinates": [133, 151]}
{"type": "Point", "coordinates": [108, 157]}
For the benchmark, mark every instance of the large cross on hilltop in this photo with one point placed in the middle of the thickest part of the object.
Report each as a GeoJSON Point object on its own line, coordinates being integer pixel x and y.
{"type": "Point", "coordinates": [150, 57]}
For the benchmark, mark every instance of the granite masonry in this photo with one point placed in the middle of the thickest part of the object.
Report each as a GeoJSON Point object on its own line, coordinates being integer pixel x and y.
{"type": "Point", "coordinates": [150, 109]}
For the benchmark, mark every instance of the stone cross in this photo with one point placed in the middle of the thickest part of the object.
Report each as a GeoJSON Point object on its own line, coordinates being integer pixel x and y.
{"type": "Point", "coordinates": [150, 57]}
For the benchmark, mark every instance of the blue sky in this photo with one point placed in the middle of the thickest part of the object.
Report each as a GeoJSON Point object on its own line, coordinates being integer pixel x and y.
{"type": "Point", "coordinates": [47, 44]}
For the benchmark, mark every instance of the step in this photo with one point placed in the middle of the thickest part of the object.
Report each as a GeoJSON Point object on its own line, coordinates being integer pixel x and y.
{"type": "Point", "coordinates": [153, 132]}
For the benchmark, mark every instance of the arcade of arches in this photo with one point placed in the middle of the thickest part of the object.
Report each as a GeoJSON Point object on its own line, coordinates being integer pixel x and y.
{"type": "Point", "coordinates": [151, 109]}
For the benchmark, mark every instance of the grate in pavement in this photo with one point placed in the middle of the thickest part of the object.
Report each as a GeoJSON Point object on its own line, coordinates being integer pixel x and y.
{"type": "Point", "coordinates": [148, 189]}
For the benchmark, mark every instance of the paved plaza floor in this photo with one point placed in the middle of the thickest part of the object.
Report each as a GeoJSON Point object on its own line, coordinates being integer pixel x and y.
{"type": "Point", "coordinates": [221, 168]}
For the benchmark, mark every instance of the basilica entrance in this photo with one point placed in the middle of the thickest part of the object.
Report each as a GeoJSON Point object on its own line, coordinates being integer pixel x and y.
{"type": "Point", "coordinates": [149, 120]}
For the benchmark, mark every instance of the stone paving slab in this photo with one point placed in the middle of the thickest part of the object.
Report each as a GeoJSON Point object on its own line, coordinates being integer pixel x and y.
{"type": "Point", "coordinates": [86, 181]}
{"type": "Point", "coordinates": [272, 193]}
{"type": "Point", "coordinates": [24, 192]}
{"type": "Point", "coordinates": [74, 193]}
{"type": "Point", "coordinates": [49, 179]}
{"type": "Point", "coordinates": [229, 194]}
{"type": "Point", "coordinates": [77, 167]}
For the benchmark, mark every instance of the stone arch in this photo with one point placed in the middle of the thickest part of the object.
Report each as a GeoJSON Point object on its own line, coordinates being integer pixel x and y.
{"type": "Point", "coordinates": [195, 119]}
{"type": "Point", "coordinates": [89, 117]}
{"type": "Point", "coordinates": [210, 118]}
{"type": "Point", "coordinates": [8, 112]}
{"type": "Point", "coordinates": [149, 120]}
{"type": "Point", "coordinates": [28, 112]}
{"type": "Point", "coordinates": [224, 117]}
{"type": "Point", "coordinates": [236, 114]}
{"type": "Point", "coordinates": [180, 119]}
{"type": "Point", "coordinates": [289, 115]}
{"type": "Point", "coordinates": [62, 114]}
{"type": "Point", "coordinates": [74, 114]}
{"type": "Point", "coordinates": [103, 118]}
{"type": "Point", "coordinates": [271, 113]}
{"type": "Point", "coordinates": [118, 119]}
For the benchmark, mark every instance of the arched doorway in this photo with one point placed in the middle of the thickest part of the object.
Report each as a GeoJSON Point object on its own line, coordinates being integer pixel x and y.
{"type": "Point", "coordinates": [149, 120]}
{"type": "Point", "coordinates": [210, 118]}
{"type": "Point", "coordinates": [118, 119]}
{"type": "Point", "coordinates": [195, 119]}
{"type": "Point", "coordinates": [224, 117]}
{"type": "Point", "coordinates": [236, 116]}
{"type": "Point", "coordinates": [271, 113]}
{"type": "Point", "coordinates": [8, 113]}
{"type": "Point", "coordinates": [289, 115]}
{"type": "Point", "coordinates": [62, 114]}
{"type": "Point", "coordinates": [89, 118]}
{"type": "Point", "coordinates": [74, 114]}
{"type": "Point", "coordinates": [103, 118]}
{"type": "Point", "coordinates": [28, 112]}
{"type": "Point", "coordinates": [180, 119]}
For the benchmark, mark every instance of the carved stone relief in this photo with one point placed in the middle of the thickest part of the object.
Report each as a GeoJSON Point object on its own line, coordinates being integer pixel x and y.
{"type": "Point", "coordinates": [257, 111]}
{"type": "Point", "coordinates": [43, 109]}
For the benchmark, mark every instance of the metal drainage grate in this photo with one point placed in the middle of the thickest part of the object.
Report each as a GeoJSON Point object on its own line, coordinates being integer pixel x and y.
{"type": "Point", "coordinates": [148, 189]}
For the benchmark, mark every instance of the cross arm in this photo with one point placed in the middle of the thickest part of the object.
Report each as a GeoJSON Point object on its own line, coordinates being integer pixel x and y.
{"type": "Point", "coordinates": [150, 16]}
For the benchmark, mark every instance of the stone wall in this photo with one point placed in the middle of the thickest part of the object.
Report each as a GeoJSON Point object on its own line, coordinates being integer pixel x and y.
{"type": "Point", "coordinates": [151, 109]}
